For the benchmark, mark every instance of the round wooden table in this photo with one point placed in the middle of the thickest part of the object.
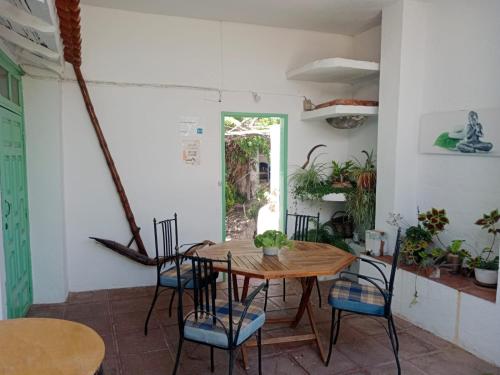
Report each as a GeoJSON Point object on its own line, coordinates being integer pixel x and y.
{"type": "Point", "coordinates": [39, 346]}
{"type": "Point", "coordinates": [306, 261]}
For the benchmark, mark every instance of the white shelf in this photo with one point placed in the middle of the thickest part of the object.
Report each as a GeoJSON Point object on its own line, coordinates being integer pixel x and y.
{"type": "Point", "coordinates": [334, 197]}
{"type": "Point", "coordinates": [338, 111]}
{"type": "Point", "coordinates": [334, 69]}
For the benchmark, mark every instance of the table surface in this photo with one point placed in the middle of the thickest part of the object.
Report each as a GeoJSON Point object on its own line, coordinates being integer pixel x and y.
{"type": "Point", "coordinates": [39, 346]}
{"type": "Point", "coordinates": [305, 259]}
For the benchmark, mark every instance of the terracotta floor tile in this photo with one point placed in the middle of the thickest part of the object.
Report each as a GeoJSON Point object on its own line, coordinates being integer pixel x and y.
{"type": "Point", "coordinates": [55, 311]}
{"type": "Point", "coordinates": [454, 361]}
{"type": "Point", "coordinates": [391, 369]}
{"type": "Point", "coordinates": [111, 366]}
{"type": "Point", "coordinates": [151, 363]}
{"type": "Point", "coordinates": [134, 342]}
{"type": "Point", "coordinates": [127, 321]}
{"type": "Point", "coordinates": [410, 345]}
{"type": "Point", "coordinates": [128, 293]}
{"type": "Point", "coordinates": [309, 359]}
{"type": "Point", "coordinates": [100, 323]}
{"type": "Point", "coordinates": [366, 352]}
{"type": "Point", "coordinates": [86, 297]}
{"type": "Point", "coordinates": [84, 310]}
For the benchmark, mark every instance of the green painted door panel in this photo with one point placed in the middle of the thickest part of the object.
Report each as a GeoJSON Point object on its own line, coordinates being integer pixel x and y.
{"type": "Point", "coordinates": [13, 189]}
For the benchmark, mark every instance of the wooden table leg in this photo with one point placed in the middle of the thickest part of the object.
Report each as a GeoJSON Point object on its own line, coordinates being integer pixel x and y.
{"type": "Point", "coordinates": [307, 286]}
{"type": "Point", "coordinates": [235, 287]}
{"type": "Point", "coordinates": [244, 357]}
{"type": "Point", "coordinates": [244, 292]}
{"type": "Point", "coordinates": [315, 331]}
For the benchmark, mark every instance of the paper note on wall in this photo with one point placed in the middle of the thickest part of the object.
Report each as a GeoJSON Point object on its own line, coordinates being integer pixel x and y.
{"type": "Point", "coordinates": [191, 151]}
{"type": "Point", "coordinates": [189, 126]}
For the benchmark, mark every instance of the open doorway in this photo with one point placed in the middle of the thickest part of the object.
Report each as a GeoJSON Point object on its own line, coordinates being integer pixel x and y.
{"type": "Point", "coordinates": [254, 148]}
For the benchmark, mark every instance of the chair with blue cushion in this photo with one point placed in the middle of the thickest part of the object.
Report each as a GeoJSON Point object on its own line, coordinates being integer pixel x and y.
{"type": "Point", "coordinates": [371, 298]}
{"type": "Point", "coordinates": [216, 322]}
{"type": "Point", "coordinates": [166, 248]}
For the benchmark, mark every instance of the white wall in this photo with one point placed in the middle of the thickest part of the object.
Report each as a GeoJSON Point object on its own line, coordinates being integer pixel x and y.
{"type": "Point", "coordinates": [431, 61]}
{"type": "Point", "coordinates": [140, 124]}
{"type": "Point", "coordinates": [42, 100]}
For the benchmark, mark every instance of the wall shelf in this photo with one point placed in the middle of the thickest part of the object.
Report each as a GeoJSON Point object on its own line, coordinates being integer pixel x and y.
{"type": "Point", "coordinates": [338, 111]}
{"type": "Point", "coordinates": [334, 69]}
{"type": "Point", "coordinates": [333, 197]}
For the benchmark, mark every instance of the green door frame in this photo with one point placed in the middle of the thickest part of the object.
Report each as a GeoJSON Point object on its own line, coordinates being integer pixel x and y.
{"type": "Point", "coordinates": [15, 73]}
{"type": "Point", "coordinates": [283, 162]}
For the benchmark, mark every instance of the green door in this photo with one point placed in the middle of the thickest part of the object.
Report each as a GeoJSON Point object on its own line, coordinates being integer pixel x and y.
{"type": "Point", "coordinates": [15, 214]}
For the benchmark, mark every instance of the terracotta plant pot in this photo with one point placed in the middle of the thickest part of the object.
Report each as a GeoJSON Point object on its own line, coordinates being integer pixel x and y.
{"type": "Point", "coordinates": [486, 277]}
{"type": "Point", "coordinates": [454, 261]}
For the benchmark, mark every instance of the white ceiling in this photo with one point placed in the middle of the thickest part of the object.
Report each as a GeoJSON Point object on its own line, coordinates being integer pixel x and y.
{"type": "Point", "coordinates": [348, 17]}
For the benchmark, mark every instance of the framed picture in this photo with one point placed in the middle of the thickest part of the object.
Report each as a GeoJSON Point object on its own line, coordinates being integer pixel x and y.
{"type": "Point", "coordinates": [466, 133]}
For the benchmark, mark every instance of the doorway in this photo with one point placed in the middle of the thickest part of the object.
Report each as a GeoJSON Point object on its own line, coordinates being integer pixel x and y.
{"type": "Point", "coordinates": [254, 163]}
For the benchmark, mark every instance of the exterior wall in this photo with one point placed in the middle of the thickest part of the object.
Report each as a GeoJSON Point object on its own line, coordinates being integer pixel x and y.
{"type": "Point", "coordinates": [427, 66]}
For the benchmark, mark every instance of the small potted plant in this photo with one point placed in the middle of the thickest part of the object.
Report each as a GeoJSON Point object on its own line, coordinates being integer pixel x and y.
{"type": "Point", "coordinates": [341, 173]}
{"type": "Point", "coordinates": [485, 265]}
{"type": "Point", "coordinates": [456, 255]}
{"type": "Point", "coordinates": [271, 241]}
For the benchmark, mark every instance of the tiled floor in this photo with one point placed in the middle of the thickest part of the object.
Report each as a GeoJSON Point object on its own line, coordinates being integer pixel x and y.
{"type": "Point", "coordinates": [363, 347]}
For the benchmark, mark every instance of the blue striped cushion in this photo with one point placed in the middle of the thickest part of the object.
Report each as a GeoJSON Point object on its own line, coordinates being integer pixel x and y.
{"type": "Point", "coordinates": [351, 296]}
{"type": "Point", "coordinates": [169, 277]}
{"type": "Point", "coordinates": [205, 331]}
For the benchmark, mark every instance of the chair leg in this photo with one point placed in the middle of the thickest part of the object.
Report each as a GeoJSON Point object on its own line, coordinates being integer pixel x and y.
{"type": "Point", "coordinates": [265, 297]}
{"type": "Point", "coordinates": [284, 290]}
{"type": "Point", "coordinates": [259, 349]}
{"type": "Point", "coordinates": [231, 361]}
{"type": "Point", "coordinates": [178, 357]}
{"type": "Point", "coordinates": [319, 292]}
{"type": "Point", "coordinates": [392, 335]}
{"type": "Point", "coordinates": [212, 366]}
{"type": "Point", "coordinates": [171, 303]}
{"type": "Point", "coordinates": [395, 332]}
{"type": "Point", "coordinates": [334, 334]}
{"type": "Point", "coordinates": [151, 310]}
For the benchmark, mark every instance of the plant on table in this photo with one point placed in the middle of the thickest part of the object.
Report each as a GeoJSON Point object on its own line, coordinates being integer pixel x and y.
{"type": "Point", "coordinates": [341, 174]}
{"type": "Point", "coordinates": [485, 264]}
{"type": "Point", "coordinates": [271, 241]}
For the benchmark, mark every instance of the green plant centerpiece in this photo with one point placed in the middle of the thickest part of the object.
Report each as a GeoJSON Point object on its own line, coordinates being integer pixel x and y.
{"type": "Point", "coordinates": [485, 264]}
{"type": "Point", "coordinates": [341, 174]}
{"type": "Point", "coordinates": [271, 241]}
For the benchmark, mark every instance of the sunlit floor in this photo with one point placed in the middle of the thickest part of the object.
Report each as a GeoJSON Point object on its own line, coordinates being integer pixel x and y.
{"type": "Point", "coordinates": [363, 347]}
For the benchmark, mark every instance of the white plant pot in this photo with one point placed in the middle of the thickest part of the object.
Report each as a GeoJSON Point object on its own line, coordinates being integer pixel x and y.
{"type": "Point", "coordinates": [486, 276]}
{"type": "Point", "coordinates": [273, 251]}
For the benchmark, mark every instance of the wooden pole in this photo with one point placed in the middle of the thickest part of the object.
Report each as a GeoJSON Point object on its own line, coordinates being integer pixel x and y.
{"type": "Point", "coordinates": [109, 161]}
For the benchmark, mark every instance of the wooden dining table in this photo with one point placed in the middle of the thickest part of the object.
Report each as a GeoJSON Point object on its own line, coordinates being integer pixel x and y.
{"type": "Point", "coordinates": [41, 346]}
{"type": "Point", "coordinates": [305, 261]}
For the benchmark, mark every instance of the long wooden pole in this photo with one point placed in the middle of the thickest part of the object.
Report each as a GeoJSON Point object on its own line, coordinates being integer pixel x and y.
{"type": "Point", "coordinates": [109, 161]}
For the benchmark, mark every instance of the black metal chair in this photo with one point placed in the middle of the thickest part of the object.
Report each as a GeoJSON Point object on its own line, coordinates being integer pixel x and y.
{"type": "Point", "coordinates": [217, 323]}
{"type": "Point", "coordinates": [366, 299]}
{"type": "Point", "coordinates": [301, 233]}
{"type": "Point", "coordinates": [166, 249]}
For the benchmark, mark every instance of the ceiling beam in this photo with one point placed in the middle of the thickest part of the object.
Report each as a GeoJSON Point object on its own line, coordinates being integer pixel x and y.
{"type": "Point", "coordinates": [23, 18]}
{"type": "Point", "coordinates": [20, 41]}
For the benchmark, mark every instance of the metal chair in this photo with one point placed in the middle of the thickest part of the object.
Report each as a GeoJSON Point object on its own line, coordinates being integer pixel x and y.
{"type": "Point", "coordinates": [217, 323]}
{"type": "Point", "coordinates": [301, 233]}
{"type": "Point", "coordinates": [366, 299]}
{"type": "Point", "coordinates": [166, 249]}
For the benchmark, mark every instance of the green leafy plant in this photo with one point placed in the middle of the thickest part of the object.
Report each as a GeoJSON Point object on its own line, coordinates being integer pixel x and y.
{"type": "Point", "coordinates": [272, 238]}
{"type": "Point", "coordinates": [341, 173]}
{"type": "Point", "coordinates": [326, 234]}
{"type": "Point", "coordinates": [434, 220]}
{"type": "Point", "coordinates": [365, 174]}
{"type": "Point", "coordinates": [309, 183]}
{"type": "Point", "coordinates": [417, 241]}
{"type": "Point", "coordinates": [456, 248]}
{"type": "Point", "coordinates": [360, 206]}
{"type": "Point", "coordinates": [444, 141]}
{"type": "Point", "coordinates": [486, 259]}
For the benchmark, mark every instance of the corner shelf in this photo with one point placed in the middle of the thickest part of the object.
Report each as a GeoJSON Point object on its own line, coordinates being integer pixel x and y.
{"type": "Point", "coordinates": [338, 111]}
{"type": "Point", "coordinates": [334, 69]}
{"type": "Point", "coordinates": [333, 197]}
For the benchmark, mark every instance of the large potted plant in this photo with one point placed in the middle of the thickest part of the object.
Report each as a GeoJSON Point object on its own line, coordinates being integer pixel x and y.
{"type": "Point", "coordinates": [271, 241]}
{"type": "Point", "coordinates": [485, 264]}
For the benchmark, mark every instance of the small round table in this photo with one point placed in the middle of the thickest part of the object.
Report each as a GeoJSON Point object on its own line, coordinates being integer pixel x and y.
{"type": "Point", "coordinates": [39, 346]}
{"type": "Point", "coordinates": [305, 261]}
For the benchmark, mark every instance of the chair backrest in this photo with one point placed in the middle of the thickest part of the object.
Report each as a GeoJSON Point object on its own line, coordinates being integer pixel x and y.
{"type": "Point", "coordinates": [166, 240]}
{"type": "Point", "coordinates": [395, 259]}
{"type": "Point", "coordinates": [203, 281]}
{"type": "Point", "coordinates": [301, 226]}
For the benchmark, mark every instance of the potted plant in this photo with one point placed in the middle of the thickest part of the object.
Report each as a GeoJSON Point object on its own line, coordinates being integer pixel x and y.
{"type": "Point", "coordinates": [360, 201]}
{"type": "Point", "coordinates": [271, 241]}
{"type": "Point", "coordinates": [309, 182]}
{"type": "Point", "coordinates": [341, 173]}
{"type": "Point", "coordinates": [485, 265]}
{"type": "Point", "coordinates": [417, 241]}
{"type": "Point", "coordinates": [456, 255]}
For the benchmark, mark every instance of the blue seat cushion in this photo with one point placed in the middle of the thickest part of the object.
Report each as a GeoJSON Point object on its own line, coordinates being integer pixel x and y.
{"type": "Point", "coordinates": [205, 331]}
{"type": "Point", "coordinates": [351, 296]}
{"type": "Point", "coordinates": [169, 277]}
